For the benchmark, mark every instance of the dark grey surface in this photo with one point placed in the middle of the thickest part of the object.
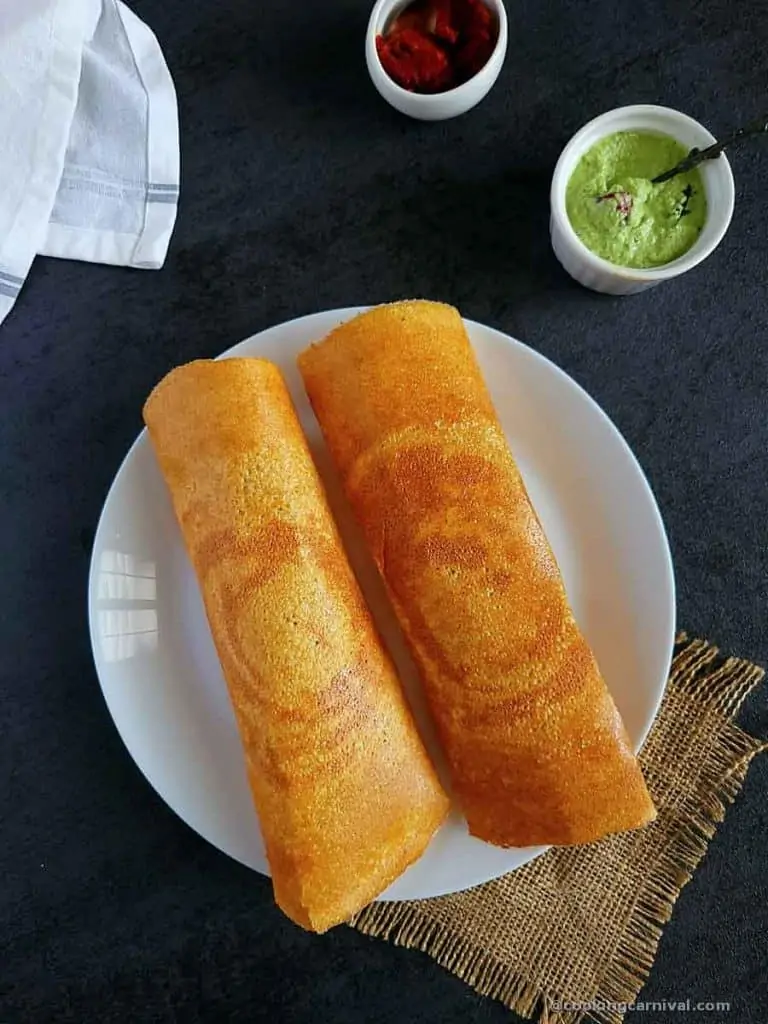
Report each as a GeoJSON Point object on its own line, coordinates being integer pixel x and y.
{"type": "Point", "coordinates": [301, 191]}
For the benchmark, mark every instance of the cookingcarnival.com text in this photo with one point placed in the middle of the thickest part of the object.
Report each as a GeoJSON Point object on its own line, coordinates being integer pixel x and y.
{"type": "Point", "coordinates": [651, 1005]}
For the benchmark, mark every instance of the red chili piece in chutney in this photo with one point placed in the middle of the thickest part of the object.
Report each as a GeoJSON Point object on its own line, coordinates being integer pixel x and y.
{"type": "Point", "coordinates": [435, 45]}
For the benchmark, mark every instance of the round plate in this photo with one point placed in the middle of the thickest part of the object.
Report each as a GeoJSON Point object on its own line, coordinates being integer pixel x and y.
{"type": "Point", "coordinates": [155, 658]}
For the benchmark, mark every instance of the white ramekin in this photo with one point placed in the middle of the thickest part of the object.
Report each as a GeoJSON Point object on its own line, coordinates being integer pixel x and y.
{"type": "Point", "coordinates": [598, 274]}
{"type": "Point", "coordinates": [435, 106]}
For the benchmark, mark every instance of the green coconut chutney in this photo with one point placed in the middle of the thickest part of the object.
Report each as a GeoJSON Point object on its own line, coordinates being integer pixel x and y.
{"type": "Point", "coordinates": [620, 215]}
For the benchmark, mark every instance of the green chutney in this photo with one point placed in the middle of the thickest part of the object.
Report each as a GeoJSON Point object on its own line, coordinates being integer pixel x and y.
{"type": "Point", "coordinates": [620, 215]}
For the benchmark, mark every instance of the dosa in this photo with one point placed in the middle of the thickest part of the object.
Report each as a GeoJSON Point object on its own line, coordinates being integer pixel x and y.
{"type": "Point", "coordinates": [345, 792]}
{"type": "Point", "coordinates": [536, 748]}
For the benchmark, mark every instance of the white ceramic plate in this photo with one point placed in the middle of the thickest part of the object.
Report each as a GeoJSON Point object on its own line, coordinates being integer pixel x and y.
{"type": "Point", "coordinates": [155, 657]}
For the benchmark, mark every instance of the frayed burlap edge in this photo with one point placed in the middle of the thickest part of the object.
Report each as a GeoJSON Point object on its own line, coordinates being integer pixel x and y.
{"type": "Point", "coordinates": [718, 686]}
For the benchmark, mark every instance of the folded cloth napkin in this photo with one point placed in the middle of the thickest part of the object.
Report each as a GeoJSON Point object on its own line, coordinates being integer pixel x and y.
{"type": "Point", "coordinates": [90, 141]}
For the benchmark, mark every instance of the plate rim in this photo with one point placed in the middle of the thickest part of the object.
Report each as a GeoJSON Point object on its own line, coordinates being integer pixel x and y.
{"type": "Point", "coordinates": [344, 313]}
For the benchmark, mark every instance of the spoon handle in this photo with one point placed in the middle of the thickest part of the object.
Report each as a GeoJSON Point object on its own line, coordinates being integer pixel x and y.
{"type": "Point", "coordinates": [697, 156]}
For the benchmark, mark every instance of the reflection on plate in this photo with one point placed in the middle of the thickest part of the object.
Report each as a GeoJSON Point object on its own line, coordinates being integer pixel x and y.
{"type": "Point", "coordinates": [158, 668]}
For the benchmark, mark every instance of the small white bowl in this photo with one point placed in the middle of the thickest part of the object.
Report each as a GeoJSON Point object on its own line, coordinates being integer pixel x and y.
{"type": "Point", "coordinates": [437, 106]}
{"type": "Point", "coordinates": [598, 274]}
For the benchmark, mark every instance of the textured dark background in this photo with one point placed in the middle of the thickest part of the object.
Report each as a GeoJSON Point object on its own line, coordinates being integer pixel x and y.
{"type": "Point", "coordinates": [302, 190]}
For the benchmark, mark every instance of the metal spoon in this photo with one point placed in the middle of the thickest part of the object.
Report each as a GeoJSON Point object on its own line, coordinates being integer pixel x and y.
{"type": "Point", "coordinates": [697, 156]}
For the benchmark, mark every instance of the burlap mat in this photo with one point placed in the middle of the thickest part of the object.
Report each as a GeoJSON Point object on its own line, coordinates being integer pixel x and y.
{"type": "Point", "coordinates": [582, 924]}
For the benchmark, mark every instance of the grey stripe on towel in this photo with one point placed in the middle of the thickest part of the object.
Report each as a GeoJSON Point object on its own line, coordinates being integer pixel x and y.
{"type": "Point", "coordinates": [162, 193]}
{"type": "Point", "coordinates": [11, 279]}
{"type": "Point", "coordinates": [11, 290]}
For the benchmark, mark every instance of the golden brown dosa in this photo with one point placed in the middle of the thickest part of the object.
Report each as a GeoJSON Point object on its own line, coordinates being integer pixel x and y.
{"type": "Point", "coordinates": [346, 794]}
{"type": "Point", "coordinates": [536, 747]}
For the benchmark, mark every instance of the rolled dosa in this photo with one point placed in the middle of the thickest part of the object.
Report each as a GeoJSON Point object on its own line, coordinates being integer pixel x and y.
{"type": "Point", "coordinates": [536, 748]}
{"type": "Point", "coordinates": [346, 794]}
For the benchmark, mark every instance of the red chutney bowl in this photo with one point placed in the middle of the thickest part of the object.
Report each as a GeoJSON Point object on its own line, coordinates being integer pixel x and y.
{"type": "Point", "coordinates": [451, 99]}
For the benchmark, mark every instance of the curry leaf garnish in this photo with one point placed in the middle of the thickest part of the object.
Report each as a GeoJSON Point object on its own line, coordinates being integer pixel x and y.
{"type": "Point", "coordinates": [688, 193]}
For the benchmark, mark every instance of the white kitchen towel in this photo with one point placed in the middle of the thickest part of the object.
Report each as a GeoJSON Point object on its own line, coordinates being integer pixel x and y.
{"type": "Point", "coordinates": [89, 138]}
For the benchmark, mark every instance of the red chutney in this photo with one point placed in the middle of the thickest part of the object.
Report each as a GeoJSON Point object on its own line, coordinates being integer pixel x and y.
{"type": "Point", "coordinates": [435, 45]}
